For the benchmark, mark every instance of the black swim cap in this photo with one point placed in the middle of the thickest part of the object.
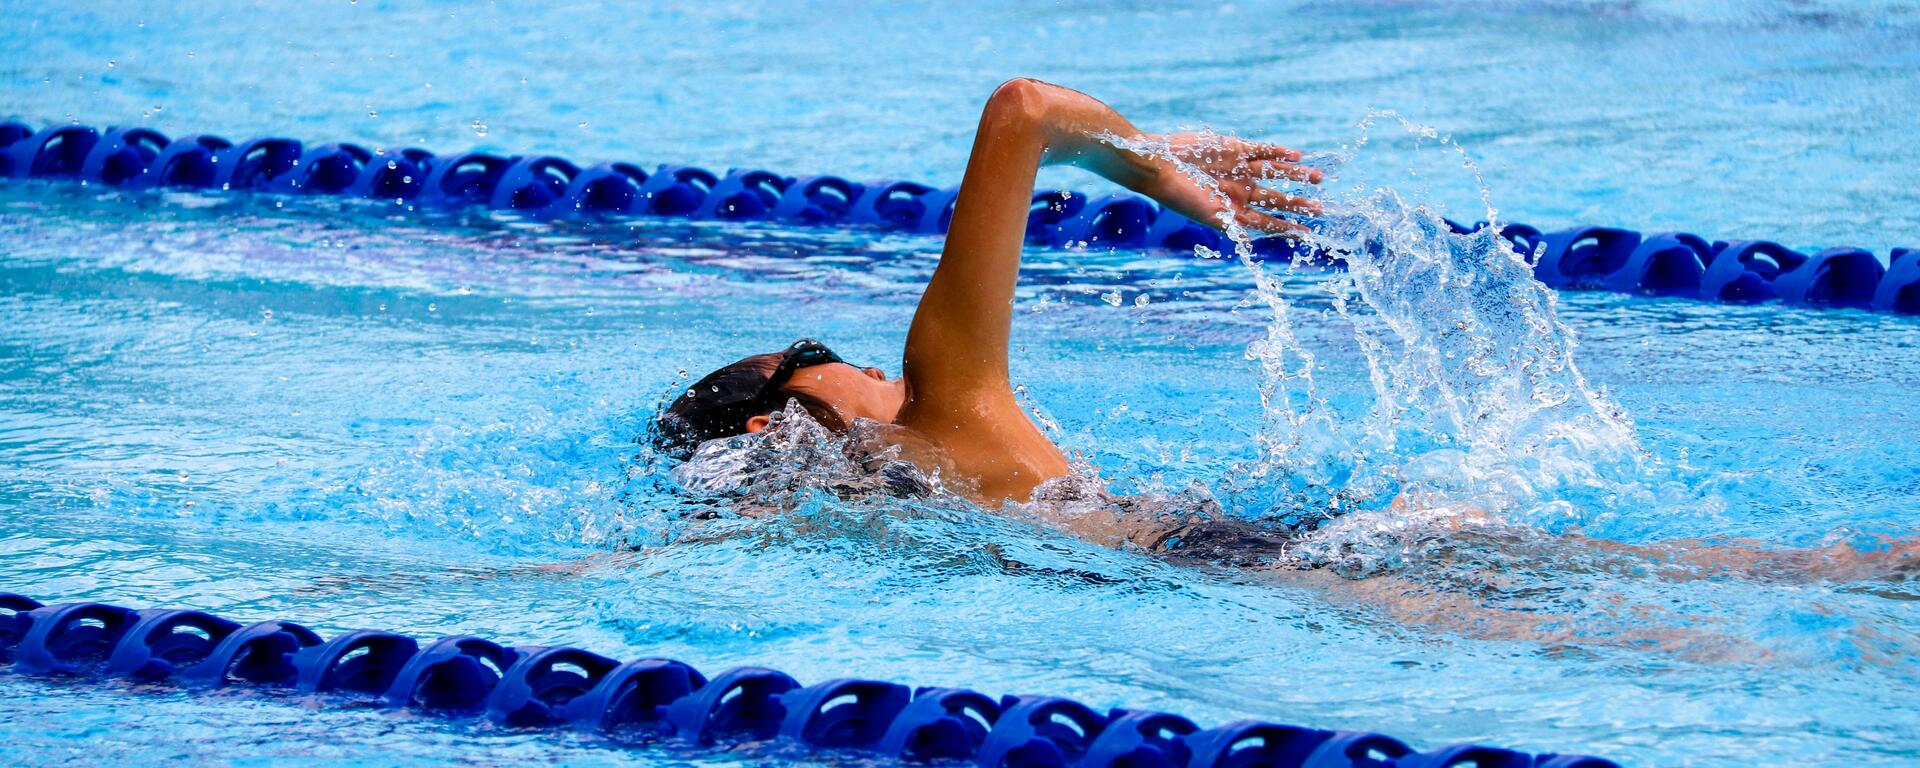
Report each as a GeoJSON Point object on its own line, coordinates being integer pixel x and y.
{"type": "Point", "coordinates": [719, 404]}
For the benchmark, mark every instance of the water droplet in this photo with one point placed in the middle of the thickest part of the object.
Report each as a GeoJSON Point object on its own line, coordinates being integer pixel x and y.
{"type": "Point", "coordinates": [1140, 300]}
{"type": "Point", "coordinates": [433, 307]}
{"type": "Point", "coordinates": [1111, 297]}
{"type": "Point", "coordinates": [583, 125]}
{"type": "Point", "coordinates": [479, 128]}
{"type": "Point", "coordinates": [373, 113]}
{"type": "Point", "coordinates": [111, 63]}
{"type": "Point", "coordinates": [391, 165]}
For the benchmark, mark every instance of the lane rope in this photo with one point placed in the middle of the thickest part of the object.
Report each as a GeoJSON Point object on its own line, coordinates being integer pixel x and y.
{"type": "Point", "coordinates": [1596, 258]}
{"type": "Point", "coordinates": [554, 687]}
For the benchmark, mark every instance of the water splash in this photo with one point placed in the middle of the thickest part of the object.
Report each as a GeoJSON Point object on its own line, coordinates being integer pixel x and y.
{"type": "Point", "coordinates": [1476, 402]}
{"type": "Point", "coordinates": [1475, 411]}
{"type": "Point", "coordinates": [796, 459]}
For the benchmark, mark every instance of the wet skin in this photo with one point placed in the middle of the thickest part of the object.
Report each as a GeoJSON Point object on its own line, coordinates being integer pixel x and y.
{"type": "Point", "coordinates": [953, 400]}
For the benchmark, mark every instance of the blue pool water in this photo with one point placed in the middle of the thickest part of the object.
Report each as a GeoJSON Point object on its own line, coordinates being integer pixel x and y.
{"type": "Point", "coordinates": [355, 417]}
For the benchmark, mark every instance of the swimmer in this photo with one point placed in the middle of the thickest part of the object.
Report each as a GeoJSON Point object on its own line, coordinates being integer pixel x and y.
{"type": "Point", "coordinates": [953, 410]}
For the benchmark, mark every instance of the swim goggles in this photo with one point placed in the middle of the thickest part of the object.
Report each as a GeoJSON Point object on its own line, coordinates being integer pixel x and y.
{"type": "Point", "coordinates": [804, 353]}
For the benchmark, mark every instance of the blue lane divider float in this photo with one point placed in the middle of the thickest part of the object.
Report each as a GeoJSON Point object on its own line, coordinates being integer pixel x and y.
{"type": "Point", "coordinates": [1597, 258]}
{"type": "Point", "coordinates": [553, 687]}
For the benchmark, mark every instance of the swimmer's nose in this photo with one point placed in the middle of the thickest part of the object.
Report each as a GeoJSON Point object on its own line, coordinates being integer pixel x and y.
{"type": "Point", "coordinates": [875, 373]}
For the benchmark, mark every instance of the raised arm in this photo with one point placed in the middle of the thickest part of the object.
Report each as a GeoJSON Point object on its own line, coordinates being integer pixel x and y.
{"type": "Point", "coordinates": [957, 348]}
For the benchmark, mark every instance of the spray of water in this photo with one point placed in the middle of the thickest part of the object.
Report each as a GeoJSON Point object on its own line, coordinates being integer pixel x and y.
{"type": "Point", "coordinates": [1476, 412]}
{"type": "Point", "coordinates": [1477, 406]}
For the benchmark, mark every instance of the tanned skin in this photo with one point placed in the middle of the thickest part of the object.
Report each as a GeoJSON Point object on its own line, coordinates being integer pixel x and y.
{"type": "Point", "coordinates": [954, 404]}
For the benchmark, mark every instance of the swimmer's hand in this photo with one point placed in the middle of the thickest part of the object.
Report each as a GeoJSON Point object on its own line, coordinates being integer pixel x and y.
{"type": "Point", "coordinates": [1206, 177]}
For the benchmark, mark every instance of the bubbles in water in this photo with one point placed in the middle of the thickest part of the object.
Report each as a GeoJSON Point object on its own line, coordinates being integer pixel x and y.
{"type": "Point", "coordinates": [795, 459]}
{"type": "Point", "coordinates": [479, 128]}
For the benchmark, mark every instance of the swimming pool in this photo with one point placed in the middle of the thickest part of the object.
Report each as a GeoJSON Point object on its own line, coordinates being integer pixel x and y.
{"type": "Point", "coordinates": [265, 407]}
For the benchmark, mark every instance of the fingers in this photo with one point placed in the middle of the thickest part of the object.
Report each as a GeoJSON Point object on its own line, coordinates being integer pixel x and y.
{"type": "Point", "coordinates": [1253, 150]}
{"type": "Point", "coordinates": [1271, 199]}
{"type": "Point", "coordinates": [1277, 152]}
{"type": "Point", "coordinates": [1227, 157]}
{"type": "Point", "coordinates": [1271, 225]}
{"type": "Point", "coordinates": [1254, 220]}
{"type": "Point", "coordinates": [1269, 169]}
{"type": "Point", "coordinates": [1215, 148]}
{"type": "Point", "coordinates": [1238, 167]}
{"type": "Point", "coordinates": [1268, 161]}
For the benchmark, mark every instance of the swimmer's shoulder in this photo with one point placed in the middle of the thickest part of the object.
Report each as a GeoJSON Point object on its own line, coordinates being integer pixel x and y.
{"type": "Point", "coordinates": [988, 442]}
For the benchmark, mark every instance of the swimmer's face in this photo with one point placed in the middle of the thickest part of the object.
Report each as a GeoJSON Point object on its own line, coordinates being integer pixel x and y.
{"type": "Point", "coordinates": [853, 393]}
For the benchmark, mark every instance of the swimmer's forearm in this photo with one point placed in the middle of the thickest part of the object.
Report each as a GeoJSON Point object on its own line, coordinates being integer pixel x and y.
{"type": "Point", "coordinates": [957, 346]}
{"type": "Point", "coordinates": [956, 352]}
{"type": "Point", "coordinates": [1079, 131]}
{"type": "Point", "coordinates": [1205, 177]}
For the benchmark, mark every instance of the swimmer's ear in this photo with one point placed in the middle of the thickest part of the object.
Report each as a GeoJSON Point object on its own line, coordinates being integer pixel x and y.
{"type": "Point", "coordinates": [758, 423]}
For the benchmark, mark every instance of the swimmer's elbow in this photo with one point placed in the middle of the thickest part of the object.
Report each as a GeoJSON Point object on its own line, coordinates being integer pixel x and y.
{"type": "Point", "coordinates": [1018, 103]}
